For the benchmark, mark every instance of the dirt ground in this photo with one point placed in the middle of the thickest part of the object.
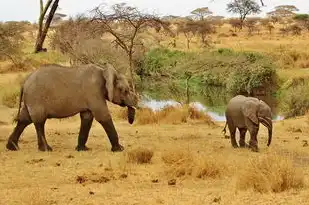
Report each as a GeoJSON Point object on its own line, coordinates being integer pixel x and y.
{"type": "Point", "coordinates": [99, 176]}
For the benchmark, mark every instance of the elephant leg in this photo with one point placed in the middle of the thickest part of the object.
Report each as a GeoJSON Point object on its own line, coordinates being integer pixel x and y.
{"type": "Point", "coordinates": [23, 120]}
{"type": "Point", "coordinates": [86, 122]}
{"type": "Point", "coordinates": [242, 137]}
{"type": "Point", "coordinates": [12, 143]}
{"type": "Point", "coordinates": [232, 130]}
{"type": "Point", "coordinates": [101, 114]}
{"type": "Point", "coordinates": [42, 143]}
{"type": "Point", "coordinates": [111, 132]}
{"type": "Point", "coordinates": [253, 144]}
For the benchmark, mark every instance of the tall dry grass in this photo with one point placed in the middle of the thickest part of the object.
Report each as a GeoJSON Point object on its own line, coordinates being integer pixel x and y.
{"type": "Point", "coordinates": [185, 164]}
{"type": "Point", "coordinates": [167, 115]}
{"type": "Point", "coordinates": [270, 173]}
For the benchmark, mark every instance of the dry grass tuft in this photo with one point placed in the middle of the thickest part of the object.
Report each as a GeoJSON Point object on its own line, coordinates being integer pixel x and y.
{"type": "Point", "coordinates": [140, 155]}
{"type": "Point", "coordinates": [270, 173]}
{"type": "Point", "coordinates": [172, 115]}
{"type": "Point", "coordinates": [146, 116]}
{"type": "Point", "coordinates": [209, 167]}
{"type": "Point", "coordinates": [10, 98]}
{"type": "Point", "coordinates": [181, 163]}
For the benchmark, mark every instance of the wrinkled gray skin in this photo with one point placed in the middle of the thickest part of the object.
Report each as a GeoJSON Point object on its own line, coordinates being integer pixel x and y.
{"type": "Point", "coordinates": [55, 91]}
{"type": "Point", "coordinates": [245, 113]}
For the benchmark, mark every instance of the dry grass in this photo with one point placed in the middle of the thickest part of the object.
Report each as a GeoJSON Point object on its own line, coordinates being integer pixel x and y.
{"type": "Point", "coordinates": [184, 163]}
{"type": "Point", "coordinates": [168, 115]}
{"type": "Point", "coordinates": [270, 173]}
{"type": "Point", "coordinates": [140, 155]}
{"type": "Point", "coordinates": [10, 97]}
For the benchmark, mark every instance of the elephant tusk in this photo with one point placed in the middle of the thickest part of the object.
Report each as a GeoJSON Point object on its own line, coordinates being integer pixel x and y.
{"type": "Point", "coordinates": [133, 107]}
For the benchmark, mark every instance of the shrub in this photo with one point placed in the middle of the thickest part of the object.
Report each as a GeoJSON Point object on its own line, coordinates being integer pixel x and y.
{"type": "Point", "coordinates": [184, 163]}
{"type": "Point", "coordinates": [10, 97]}
{"type": "Point", "coordinates": [270, 173]}
{"type": "Point", "coordinates": [172, 115]}
{"type": "Point", "coordinates": [237, 71]}
{"type": "Point", "coordinates": [295, 100]}
{"type": "Point", "coordinates": [11, 40]}
{"type": "Point", "coordinates": [140, 155]}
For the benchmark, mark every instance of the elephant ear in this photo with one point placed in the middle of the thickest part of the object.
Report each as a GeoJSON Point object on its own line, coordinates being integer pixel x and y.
{"type": "Point", "coordinates": [250, 109]}
{"type": "Point", "coordinates": [109, 74]}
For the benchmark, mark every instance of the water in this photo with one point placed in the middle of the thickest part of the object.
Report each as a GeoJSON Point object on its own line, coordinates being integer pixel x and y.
{"type": "Point", "coordinates": [213, 111]}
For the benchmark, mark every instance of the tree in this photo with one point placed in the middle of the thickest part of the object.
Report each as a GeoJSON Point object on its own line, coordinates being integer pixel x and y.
{"type": "Point", "coordinates": [52, 6]}
{"type": "Point", "coordinates": [243, 8]}
{"type": "Point", "coordinates": [189, 28]}
{"type": "Point", "coordinates": [203, 29]}
{"type": "Point", "coordinates": [268, 24]}
{"type": "Point", "coordinates": [11, 40]}
{"type": "Point", "coordinates": [201, 13]}
{"type": "Point", "coordinates": [303, 20]}
{"type": "Point", "coordinates": [251, 24]}
{"type": "Point", "coordinates": [125, 24]}
{"type": "Point", "coordinates": [283, 11]}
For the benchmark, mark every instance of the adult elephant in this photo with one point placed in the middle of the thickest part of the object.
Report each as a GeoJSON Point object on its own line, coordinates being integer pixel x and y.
{"type": "Point", "coordinates": [55, 91]}
{"type": "Point", "coordinates": [245, 113]}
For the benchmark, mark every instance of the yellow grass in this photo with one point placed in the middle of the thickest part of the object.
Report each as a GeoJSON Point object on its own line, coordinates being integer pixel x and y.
{"type": "Point", "coordinates": [177, 144]}
{"type": "Point", "coordinates": [196, 157]}
{"type": "Point", "coordinates": [270, 173]}
{"type": "Point", "coordinates": [140, 155]}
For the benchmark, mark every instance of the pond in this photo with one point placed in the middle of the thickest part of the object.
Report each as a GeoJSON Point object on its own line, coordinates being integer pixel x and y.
{"type": "Point", "coordinates": [213, 105]}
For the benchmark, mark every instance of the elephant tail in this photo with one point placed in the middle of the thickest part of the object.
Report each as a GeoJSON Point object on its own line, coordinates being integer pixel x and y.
{"type": "Point", "coordinates": [19, 106]}
{"type": "Point", "coordinates": [224, 129]}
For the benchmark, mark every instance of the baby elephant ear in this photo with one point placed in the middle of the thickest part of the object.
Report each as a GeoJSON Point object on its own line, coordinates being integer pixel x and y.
{"type": "Point", "coordinates": [109, 74]}
{"type": "Point", "coordinates": [250, 109]}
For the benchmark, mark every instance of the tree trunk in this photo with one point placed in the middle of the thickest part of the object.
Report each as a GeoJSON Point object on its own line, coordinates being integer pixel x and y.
{"type": "Point", "coordinates": [131, 71]}
{"type": "Point", "coordinates": [188, 44]}
{"type": "Point", "coordinates": [42, 33]}
{"type": "Point", "coordinates": [187, 89]}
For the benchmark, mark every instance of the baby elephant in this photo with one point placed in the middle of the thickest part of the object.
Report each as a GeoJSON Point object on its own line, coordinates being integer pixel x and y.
{"type": "Point", "coordinates": [245, 113]}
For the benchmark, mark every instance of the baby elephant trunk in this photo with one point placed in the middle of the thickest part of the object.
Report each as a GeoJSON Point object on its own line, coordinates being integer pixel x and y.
{"type": "Point", "coordinates": [267, 122]}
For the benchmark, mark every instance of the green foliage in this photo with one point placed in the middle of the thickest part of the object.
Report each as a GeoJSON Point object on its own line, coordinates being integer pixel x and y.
{"type": "Point", "coordinates": [161, 60]}
{"type": "Point", "coordinates": [295, 98]}
{"type": "Point", "coordinates": [301, 17]}
{"type": "Point", "coordinates": [238, 72]}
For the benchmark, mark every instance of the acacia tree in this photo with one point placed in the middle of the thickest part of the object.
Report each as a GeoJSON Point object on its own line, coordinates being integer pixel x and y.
{"type": "Point", "coordinates": [125, 24]}
{"type": "Point", "coordinates": [243, 8]}
{"type": "Point", "coordinates": [189, 29]}
{"type": "Point", "coordinates": [303, 20]}
{"type": "Point", "coordinates": [201, 13]}
{"type": "Point", "coordinates": [51, 6]}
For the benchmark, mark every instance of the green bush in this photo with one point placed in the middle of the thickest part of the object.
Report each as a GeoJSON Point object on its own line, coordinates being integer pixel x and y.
{"type": "Point", "coordinates": [160, 60]}
{"type": "Point", "coordinates": [238, 72]}
{"type": "Point", "coordinates": [295, 99]}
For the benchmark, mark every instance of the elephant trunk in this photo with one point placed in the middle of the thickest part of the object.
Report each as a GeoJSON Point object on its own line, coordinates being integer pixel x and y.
{"type": "Point", "coordinates": [267, 122]}
{"type": "Point", "coordinates": [270, 133]}
{"type": "Point", "coordinates": [131, 114]}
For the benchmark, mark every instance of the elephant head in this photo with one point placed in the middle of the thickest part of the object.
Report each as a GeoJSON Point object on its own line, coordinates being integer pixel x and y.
{"type": "Point", "coordinates": [118, 91]}
{"type": "Point", "coordinates": [258, 111]}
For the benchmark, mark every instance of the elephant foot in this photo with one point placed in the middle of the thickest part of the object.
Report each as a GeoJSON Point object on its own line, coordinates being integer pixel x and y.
{"type": "Point", "coordinates": [254, 149]}
{"type": "Point", "coordinates": [234, 145]}
{"type": "Point", "coordinates": [45, 148]}
{"type": "Point", "coordinates": [243, 145]}
{"type": "Point", "coordinates": [12, 146]}
{"type": "Point", "coordinates": [82, 148]}
{"type": "Point", "coordinates": [117, 148]}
